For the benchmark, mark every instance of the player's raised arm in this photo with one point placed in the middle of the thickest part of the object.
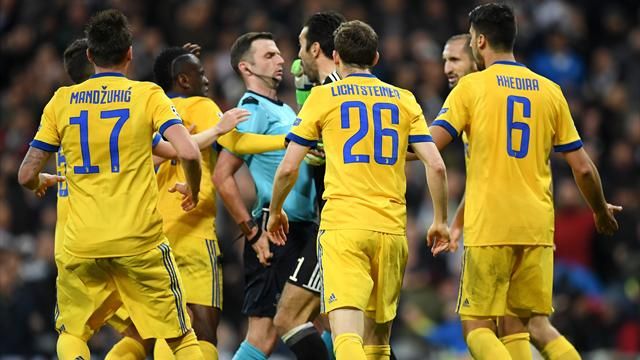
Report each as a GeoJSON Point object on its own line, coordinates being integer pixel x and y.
{"type": "Point", "coordinates": [30, 176]}
{"type": "Point", "coordinates": [588, 180]}
{"type": "Point", "coordinates": [438, 235]}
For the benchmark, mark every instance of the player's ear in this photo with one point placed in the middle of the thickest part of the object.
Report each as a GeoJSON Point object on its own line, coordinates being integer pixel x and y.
{"type": "Point", "coordinates": [375, 59]}
{"type": "Point", "coordinates": [315, 49]}
{"type": "Point", "coordinates": [183, 81]}
{"type": "Point", "coordinates": [129, 55]}
{"type": "Point", "coordinates": [90, 56]}
{"type": "Point", "coordinates": [244, 69]}
{"type": "Point", "coordinates": [336, 57]}
{"type": "Point", "coordinates": [481, 41]}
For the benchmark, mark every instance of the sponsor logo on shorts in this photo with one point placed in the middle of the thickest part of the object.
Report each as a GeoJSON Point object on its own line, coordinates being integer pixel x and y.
{"type": "Point", "coordinates": [332, 298]}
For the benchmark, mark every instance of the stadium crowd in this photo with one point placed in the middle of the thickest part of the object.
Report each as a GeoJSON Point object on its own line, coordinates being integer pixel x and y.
{"type": "Point", "coordinates": [589, 48]}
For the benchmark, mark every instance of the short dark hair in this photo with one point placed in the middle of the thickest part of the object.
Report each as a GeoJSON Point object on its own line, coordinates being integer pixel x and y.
{"type": "Point", "coordinates": [497, 23]}
{"type": "Point", "coordinates": [467, 40]}
{"type": "Point", "coordinates": [109, 37]}
{"type": "Point", "coordinates": [357, 43]}
{"type": "Point", "coordinates": [320, 28]}
{"type": "Point", "coordinates": [243, 44]}
{"type": "Point", "coordinates": [163, 66]}
{"type": "Point", "coordinates": [76, 64]}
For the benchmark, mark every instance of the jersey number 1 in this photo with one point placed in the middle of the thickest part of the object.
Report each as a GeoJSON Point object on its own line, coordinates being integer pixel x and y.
{"type": "Point", "coordinates": [83, 121]}
{"type": "Point", "coordinates": [378, 132]}
{"type": "Point", "coordinates": [525, 130]}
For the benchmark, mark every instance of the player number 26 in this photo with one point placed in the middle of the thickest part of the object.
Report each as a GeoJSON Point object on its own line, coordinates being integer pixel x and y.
{"type": "Point", "coordinates": [525, 131]}
{"type": "Point", "coordinates": [122, 115]}
{"type": "Point", "coordinates": [378, 109]}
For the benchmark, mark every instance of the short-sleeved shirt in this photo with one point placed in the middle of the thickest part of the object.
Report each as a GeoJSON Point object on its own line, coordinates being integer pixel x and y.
{"type": "Point", "coordinates": [366, 126]}
{"type": "Point", "coordinates": [273, 117]}
{"type": "Point", "coordinates": [512, 118]}
{"type": "Point", "coordinates": [105, 126]}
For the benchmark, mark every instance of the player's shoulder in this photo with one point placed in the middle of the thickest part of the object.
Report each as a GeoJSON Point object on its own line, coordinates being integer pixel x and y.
{"type": "Point", "coordinates": [144, 86]}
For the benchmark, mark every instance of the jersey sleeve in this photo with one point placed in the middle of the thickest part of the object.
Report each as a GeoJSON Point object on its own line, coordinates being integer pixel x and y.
{"type": "Point", "coordinates": [307, 127]}
{"type": "Point", "coordinates": [247, 143]}
{"type": "Point", "coordinates": [418, 131]}
{"type": "Point", "coordinates": [47, 137]}
{"type": "Point", "coordinates": [257, 122]}
{"type": "Point", "coordinates": [566, 136]}
{"type": "Point", "coordinates": [455, 114]}
{"type": "Point", "coordinates": [163, 113]}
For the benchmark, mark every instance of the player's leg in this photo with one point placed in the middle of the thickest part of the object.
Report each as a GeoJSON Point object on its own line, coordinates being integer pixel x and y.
{"type": "Point", "coordinates": [205, 324]}
{"type": "Point", "coordinates": [300, 299]}
{"type": "Point", "coordinates": [515, 336]}
{"type": "Point", "coordinates": [152, 292]}
{"type": "Point", "coordinates": [376, 339]}
{"type": "Point", "coordinates": [295, 308]}
{"type": "Point", "coordinates": [132, 346]}
{"type": "Point", "coordinates": [86, 297]}
{"type": "Point", "coordinates": [551, 344]}
{"type": "Point", "coordinates": [345, 260]}
{"type": "Point", "coordinates": [484, 284]}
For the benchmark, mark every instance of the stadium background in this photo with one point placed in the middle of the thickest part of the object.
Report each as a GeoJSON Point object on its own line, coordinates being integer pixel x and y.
{"type": "Point", "coordinates": [591, 48]}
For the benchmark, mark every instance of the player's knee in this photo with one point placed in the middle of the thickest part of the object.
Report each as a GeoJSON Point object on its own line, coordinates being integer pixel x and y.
{"type": "Point", "coordinates": [205, 332]}
{"type": "Point", "coordinates": [284, 321]}
{"type": "Point", "coordinates": [541, 330]}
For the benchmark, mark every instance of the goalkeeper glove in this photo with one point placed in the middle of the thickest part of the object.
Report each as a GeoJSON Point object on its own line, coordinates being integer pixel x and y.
{"type": "Point", "coordinates": [315, 156]}
{"type": "Point", "coordinates": [303, 85]}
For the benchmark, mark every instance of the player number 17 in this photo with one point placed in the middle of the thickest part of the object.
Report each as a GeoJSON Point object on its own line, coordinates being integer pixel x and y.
{"type": "Point", "coordinates": [83, 121]}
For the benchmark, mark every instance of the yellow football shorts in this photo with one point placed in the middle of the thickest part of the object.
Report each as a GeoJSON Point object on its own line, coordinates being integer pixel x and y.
{"type": "Point", "coordinates": [148, 285]}
{"type": "Point", "coordinates": [513, 280]}
{"type": "Point", "coordinates": [199, 263]}
{"type": "Point", "coordinates": [362, 269]}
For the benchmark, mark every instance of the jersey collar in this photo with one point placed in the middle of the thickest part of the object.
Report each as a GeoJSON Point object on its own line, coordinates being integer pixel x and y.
{"type": "Point", "coordinates": [505, 62]}
{"type": "Point", "coordinates": [362, 75]}
{"type": "Point", "coordinates": [172, 94]}
{"type": "Point", "coordinates": [277, 102]}
{"type": "Point", "coordinates": [107, 73]}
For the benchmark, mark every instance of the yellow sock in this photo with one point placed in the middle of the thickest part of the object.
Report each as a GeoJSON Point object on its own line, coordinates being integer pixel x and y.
{"type": "Point", "coordinates": [377, 352]}
{"type": "Point", "coordinates": [518, 345]}
{"type": "Point", "coordinates": [127, 349]}
{"type": "Point", "coordinates": [70, 347]}
{"type": "Point", "coordinates": [162, 351]}
{"type": "Point", "coordinates": [560, 349]}
{"type": "Point", "coordinates": [209, 351]}
{"type": "Point", "coordinates": [484, 344]}
{"type": "Point", "coordinates": [186, 348]}
{"type": "Point", "coordinates": [348, 346]}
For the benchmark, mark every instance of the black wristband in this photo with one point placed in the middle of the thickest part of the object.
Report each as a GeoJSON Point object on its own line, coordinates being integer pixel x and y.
{"type": "Point", "coordinates": [255, 237]}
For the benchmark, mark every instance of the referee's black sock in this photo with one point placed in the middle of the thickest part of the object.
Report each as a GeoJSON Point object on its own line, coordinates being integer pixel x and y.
{"type": "Point", "coordinates": [305, 342]}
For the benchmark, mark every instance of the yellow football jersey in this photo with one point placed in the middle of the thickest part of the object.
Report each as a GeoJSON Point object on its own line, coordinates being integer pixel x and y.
{"type": "Point", "coordinates": [105, 127]}
{"type": "Point", "coordinates": [202, 113]}
{"type": "Point", "coordinates": [366, 126]}
{"type": "Point", "coordinates": [513, 118]}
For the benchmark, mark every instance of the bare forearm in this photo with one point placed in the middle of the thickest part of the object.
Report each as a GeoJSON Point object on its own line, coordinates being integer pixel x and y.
{"type": "Point", "coordinates": [206, 138]}
{"type": "Point", "coordinates": [590, 186]}
{"type": "Point", "coordinates": [437, 181]}
{"type": "Point", "coordinates": [230, 194]}
{"type": "Point", "coordinates": [193, 173]}
{"type": "Point", "coordinates": [283, 183]}
{"type": "Point", "coordinates": [458, 218]}
{"type": "Point", "coordinates": [33, 162]}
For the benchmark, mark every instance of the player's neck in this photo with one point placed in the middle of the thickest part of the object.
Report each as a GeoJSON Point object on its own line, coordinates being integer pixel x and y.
{"type": "Point", "coordinates": [263, 90]}
{"type": "Point", "coordinates": [325, 68]}
{"type": "Point", "coordinates": [122, 69]}
{"type": "Point", "coordinates": [492, 57]}
{"type": "Point", "coordinates": [345, 71]}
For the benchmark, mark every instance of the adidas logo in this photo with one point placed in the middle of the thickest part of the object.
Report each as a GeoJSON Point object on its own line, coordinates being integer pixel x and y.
{"type": "Point", "coordinates": [79, 358]}
{"type": "Point", "coordinates": [332, 298]}
{"type": "Point", "coordinates": [466, 303]}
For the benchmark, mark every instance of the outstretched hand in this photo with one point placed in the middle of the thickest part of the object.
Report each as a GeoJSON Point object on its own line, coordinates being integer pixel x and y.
{"type": "Point", "coordinates": [189, 201]}
{"type": "Point", "coordinates": [606, 221]}
{"type": "Point", "coordinates": [231, 118]}
{"type": "Point", "coordinates": [47, 180]}
{"type": "Point", "coordinates": [278, 227]}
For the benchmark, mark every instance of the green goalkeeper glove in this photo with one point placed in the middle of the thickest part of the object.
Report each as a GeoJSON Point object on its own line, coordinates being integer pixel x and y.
{"type": "Point", "coordinates": [303, 85]}
{"type": "Point", "coordinates": [315, 156]}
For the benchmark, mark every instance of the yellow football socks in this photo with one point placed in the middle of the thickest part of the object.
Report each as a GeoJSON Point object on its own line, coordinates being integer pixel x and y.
{"type": "Point", "coordinates": [377, 352]}
{"type": "Point", "coordinates": [70, 347]}
{"type": "Point", "coordinates": [186, 348]}
{"type": "Point", "coordinates": [162, 351]}
{"type": "Point", "coordinates": [560, 349]}
{"type": "Point", "coordinates": [127, 349]}
{"type": "Point", "coordinates": [483, 344]}
{"type": "Point", "coordinates": [209, 351]}
{"type": "Point", "coordinates": [348, 346]}
{"type": "Point", "coordinates": [518, 345]}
